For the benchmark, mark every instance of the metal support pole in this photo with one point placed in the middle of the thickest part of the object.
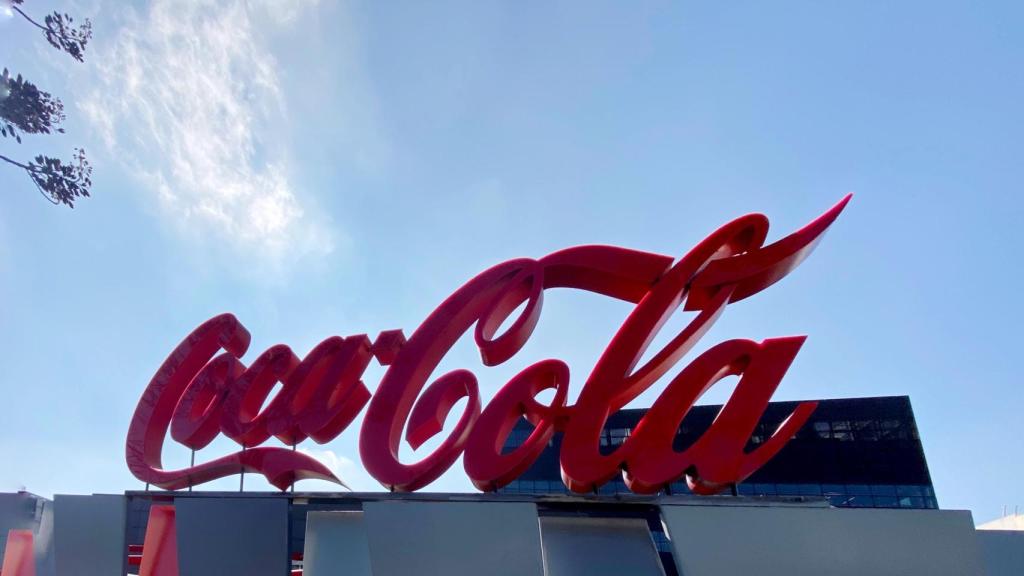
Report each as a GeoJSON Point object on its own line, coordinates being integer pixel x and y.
{"type": "Point", "coordinates": [192, 465]}
{"type": "Point", "coordinates": [293, 481]}
{"type": "Point", "coordinates": [241, 477]}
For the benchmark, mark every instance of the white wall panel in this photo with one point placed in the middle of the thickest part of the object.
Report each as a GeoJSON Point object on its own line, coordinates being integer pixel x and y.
{"type": "Point", "coordinates": [336, 545]}
{"type": "Point", "coordinates": [453, 538]}
{"type": "Point", "coordinates": [575, 546]}
{"type": "Point", "coordinates": [783, 541]}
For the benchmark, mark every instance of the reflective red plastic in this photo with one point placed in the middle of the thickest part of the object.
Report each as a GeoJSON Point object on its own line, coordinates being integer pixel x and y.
{"type": "Point", "coordinates": [199, 395]}
{"type": "Point", "coordinates": [19, 558]}
{"type": "Point", "coordinates": [160, 548]}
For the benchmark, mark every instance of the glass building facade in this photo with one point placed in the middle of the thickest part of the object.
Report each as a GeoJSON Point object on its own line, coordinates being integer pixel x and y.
{"type": "Point", "coordinates": [857, 453]}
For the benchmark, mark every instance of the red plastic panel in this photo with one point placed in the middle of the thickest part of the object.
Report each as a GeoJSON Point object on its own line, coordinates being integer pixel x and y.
{"type": "Point", "coordinates": [19, 558]}
{"type": "Point", "coordinates": [160, 550]}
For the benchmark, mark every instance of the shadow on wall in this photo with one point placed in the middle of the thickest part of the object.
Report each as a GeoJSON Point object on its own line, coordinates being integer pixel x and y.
{"type": "Point", "coordinates": [34, 514]}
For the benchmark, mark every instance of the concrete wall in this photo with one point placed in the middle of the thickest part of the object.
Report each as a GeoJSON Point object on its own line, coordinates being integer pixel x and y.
{"type": "Point", "coordinates": [1002, 551]}
{"type": "Point", "coordinates": [783, 541]}
{"type": "Point", "coordinates": [1010, 522]}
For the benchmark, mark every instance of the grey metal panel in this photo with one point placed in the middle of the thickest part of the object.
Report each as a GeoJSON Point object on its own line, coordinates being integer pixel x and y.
{"type": "Point", "coordinates": [453, 538]}
{"type": "Point", "coordinates": [88, 534]}
{"type": "Point", "coordinates": [598, 546]}
{"type": "Point", "coordinates": [336, 545]}
{"type": "Point", "coordinates": [783, 541]}
{"type": "Point", "coordinates": [1003, 551]}
{"type": "Point", "coordinates": [222, 536]}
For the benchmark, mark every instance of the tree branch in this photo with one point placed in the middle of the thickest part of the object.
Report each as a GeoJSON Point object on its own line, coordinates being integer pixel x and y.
{"type": "Point", "coordinates": [55, 183]}
{"type": "Point", "coordinates": [28, 169]}
{"type": "Point", "coordinates": [31, 21]}
{"type": "Point", "coordinates": [18, 164]}
{"type": "Point", "coordinates": [59, 33]}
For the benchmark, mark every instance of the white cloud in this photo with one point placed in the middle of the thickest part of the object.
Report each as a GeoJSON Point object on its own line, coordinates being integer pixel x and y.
{"type": "Point", "coordinates": [285, 11]}
{"type": "Point", "coordinates": [184, 95]}
{"type": "Point", "coordinates": [342, 467]}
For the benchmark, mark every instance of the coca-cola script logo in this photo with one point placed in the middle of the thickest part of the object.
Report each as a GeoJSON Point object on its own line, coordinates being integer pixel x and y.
{"type": "Point", "coordinates": [199, 393]}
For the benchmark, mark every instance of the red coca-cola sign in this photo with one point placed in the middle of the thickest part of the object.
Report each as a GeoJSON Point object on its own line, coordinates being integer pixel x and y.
{"type": "Point", "coordinates": [203, 389]}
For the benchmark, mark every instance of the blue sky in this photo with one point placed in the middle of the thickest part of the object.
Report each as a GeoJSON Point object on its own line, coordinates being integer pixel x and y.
{"type": "Point", "coordinates": [324, 168]}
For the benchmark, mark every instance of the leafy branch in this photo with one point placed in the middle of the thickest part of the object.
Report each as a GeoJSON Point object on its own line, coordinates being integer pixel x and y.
{"type": "Point", "coordinates": [25, 109]}
{"type": "Point", "coordinates": [58, 182]}
{"type": "Point", "coordinates": [60, 31]}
